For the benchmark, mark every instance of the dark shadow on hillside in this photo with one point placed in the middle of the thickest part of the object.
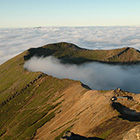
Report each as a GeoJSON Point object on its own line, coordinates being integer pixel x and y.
{"type": "Point", "coordinates": [66, 59]}
{"type": "Point", "coordinates": [62, 50]}
{"type": "Point", "coordinates": [69, 54]}
{"type": "Point", "coordinates": [39, 52]}
{"type": "Point", "coordinates": [126, 113]}
{"type": "Point", "coordinates": [74, 60]}
{"type": "Point", "coordinates": [45, 52]}
{"type": "Point", "coordinates": [71, 136]}
{"type": "Point", "coordinates": [85, 86]}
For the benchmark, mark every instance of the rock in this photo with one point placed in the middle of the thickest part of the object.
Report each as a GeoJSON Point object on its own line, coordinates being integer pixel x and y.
{"type": "Point", "coordinates": [71, 136]}
{"type": "Point", "coordinates": [133, 134]}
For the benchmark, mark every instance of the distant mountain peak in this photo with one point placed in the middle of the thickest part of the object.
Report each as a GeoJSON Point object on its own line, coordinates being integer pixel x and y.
{"type": "Point", "coordinates": [71, 53]}
{"type": "Point", "coordinates": [127, 55]}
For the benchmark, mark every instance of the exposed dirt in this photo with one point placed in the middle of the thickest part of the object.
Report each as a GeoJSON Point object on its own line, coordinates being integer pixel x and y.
{"type": "Point", "coordinates": [133, 134]}
{"type": "Point", "coordinates": [89, 113]}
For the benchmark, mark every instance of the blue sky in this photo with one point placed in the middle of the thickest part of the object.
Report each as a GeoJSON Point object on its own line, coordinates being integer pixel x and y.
{"type": "Point", "coordinates": [33, 13]}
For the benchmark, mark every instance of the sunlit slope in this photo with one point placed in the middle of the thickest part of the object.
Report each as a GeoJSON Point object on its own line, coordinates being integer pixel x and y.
{"type": "Point", "coordinates": [14, 78]}
{"type": "Point", "coordinates": [27, 99]}
{"type": "Point", "coordinates": [87, 113]}
{"type": "Point", "coordinates": [70, 53]}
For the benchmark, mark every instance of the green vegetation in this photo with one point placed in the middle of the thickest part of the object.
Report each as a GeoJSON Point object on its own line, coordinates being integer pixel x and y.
{"type": "Point", "coordinates": [82, 111]}
{"type": "Point", "coordinates": [27, 99]}
{"type": "Point", "coordinates": [109, 129]}
{"type": "Point", "coordinates": [70, 53]}
{"type": "Point", "coordinates": [30, 131]}
{"type": "Point", "coordinates": [103, 91]}
{"type": "Point", "coordinates": [57, 98]}
{"type": "Point", "coordinates": [59, 136]}
{"type": "Point", "coordinates": [105, 134]}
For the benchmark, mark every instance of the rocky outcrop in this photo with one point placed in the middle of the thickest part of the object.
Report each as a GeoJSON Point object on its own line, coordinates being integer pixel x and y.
{"type": "Point", "coordinates": [133, 134]}
{"type": "Point", "coordinates": [71, 136]}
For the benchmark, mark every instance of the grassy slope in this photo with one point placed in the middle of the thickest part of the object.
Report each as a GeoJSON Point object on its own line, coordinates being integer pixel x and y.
{"type": "Point", "coordinates": [70, 53]}
{"type": "Point", "coordinates": [14, 77]}
{"type": "Point", "coordinates": [26, 99]}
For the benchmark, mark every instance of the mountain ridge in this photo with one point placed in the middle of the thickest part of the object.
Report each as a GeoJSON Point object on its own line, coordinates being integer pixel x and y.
{"type": "Point", "coordinates": [38, 106]}
{"type": "Point", "coordinates": [70, 53]}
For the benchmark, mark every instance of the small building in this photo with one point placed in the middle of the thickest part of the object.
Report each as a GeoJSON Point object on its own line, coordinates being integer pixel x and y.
{"type": "Point", "coordinates": [120, 98]}
{"type": "Point", "coordinates": [117, 90]}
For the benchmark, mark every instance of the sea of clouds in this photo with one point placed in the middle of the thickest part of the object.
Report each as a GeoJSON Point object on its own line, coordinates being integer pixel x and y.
{"type": "Point", "coordinates": [16, 40]}
{"type": "Point", "coordinates": [95, 75]}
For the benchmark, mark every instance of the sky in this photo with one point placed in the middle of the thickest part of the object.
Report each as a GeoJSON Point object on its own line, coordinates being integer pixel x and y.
{"type": "Point", "coordinates": [34, 13]}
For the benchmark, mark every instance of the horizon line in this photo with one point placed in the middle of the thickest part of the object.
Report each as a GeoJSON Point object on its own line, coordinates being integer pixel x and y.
{"type": "Point", "coordinates": [72, 26]}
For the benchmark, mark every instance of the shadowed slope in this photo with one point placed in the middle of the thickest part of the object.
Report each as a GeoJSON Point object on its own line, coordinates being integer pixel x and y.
{"type": "Point", "coordinates": [128, 55]}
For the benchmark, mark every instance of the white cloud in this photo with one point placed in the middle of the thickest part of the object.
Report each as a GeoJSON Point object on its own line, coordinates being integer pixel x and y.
{"type": "Point", "coordinates": [96, 75]}
{"type": "Point", "coordinates": [15, 41]}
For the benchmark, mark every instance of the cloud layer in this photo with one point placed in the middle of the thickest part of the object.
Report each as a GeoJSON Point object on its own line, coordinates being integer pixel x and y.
{"type": "Point", "coordinates": [15, 41]}
{"type": "Point", "coordinates": [96, 75]}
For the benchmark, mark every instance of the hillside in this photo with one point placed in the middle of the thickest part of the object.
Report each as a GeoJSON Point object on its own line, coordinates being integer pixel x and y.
{"type": "Point", "coordinates": [34, 105]}
{"type": "Point", "coordinates": [70, 53]}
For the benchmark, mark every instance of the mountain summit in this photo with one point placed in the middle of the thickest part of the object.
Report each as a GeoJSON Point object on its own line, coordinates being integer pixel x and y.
{"type": "Point", "coordinates": [70, 53]}
{"type": "Point", "coordinates": [34, 105]}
